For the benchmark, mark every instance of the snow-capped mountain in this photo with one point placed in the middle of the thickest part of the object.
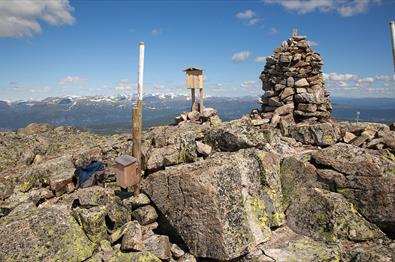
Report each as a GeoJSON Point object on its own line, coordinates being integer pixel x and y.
{"type": "Point", "coordinates": [110, 113]}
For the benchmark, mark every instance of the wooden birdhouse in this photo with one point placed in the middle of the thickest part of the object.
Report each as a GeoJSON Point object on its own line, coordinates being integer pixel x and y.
{"type": "Point", "coordinates": [126, 171]}
{"type": "Point", "coordinates": [194, 80]}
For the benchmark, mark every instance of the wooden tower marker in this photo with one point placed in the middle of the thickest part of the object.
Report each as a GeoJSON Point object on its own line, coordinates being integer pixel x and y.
{"type": "Point", "coordinates": [194, 80]}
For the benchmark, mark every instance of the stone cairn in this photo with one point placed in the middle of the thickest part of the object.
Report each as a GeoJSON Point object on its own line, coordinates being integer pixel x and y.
{"type": "Point", "coordinates": [294, 86]}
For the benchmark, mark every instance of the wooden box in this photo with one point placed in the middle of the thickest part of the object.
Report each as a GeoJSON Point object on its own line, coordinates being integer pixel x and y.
{"type": "Point", "coordinates": [126, 171]}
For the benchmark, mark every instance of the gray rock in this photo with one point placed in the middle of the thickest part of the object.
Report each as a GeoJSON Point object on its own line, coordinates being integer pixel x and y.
{"type": "Point", "coordinates": [42, 235]}
{"type": "Point", "coordinates": [307, 107]}
{"type": "Point", "coordinates": [348, 137]}
{"type": "Point", "coordinates": [134, 202]}
{"type": "Point", "coordinates": [321, 134]}
{"type": "Point", "coordinates": [207, 113]}
{"type": "Point", "coordinates": [290, 81]}
{"type": "Point", "coordinates": [285, 109]}
{"type": "Point", "coordinates": [193, 116]}
{"type": "Point", "coordinates": [34, 128]}
{"type": "Point", "coordinates": [286, 93]}
{"type": "Point", "coordinates": [93, 222]}
{"type": "Point", "coordinates": [159, 246]}
{"type": "Point", "coordinates": [203, 149]}
{"type": "Point", "coordinates": [132, 239]}
{"type": "Point", "coordinates": [301, 82]}
{"type": "Point", "coordinates": [308, 98]}
{"type": "Point", "coordinates": [367, 180]}
{"type": "Point", "coordinates": [213, 189]}
{"type": "Point", "coordinates": [177, 251]}
{"type": "Point", "coordinates": [145, 215]}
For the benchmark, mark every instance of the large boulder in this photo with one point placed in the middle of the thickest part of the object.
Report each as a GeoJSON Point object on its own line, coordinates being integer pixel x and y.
{"type": "Point", "coordinates": [238, 134]}
{"type": "Point", "coordinates": [286, 245]}
{"type": "Point", "coordinates": [223, 206]}
{"type": "Point", "coordinates": [320, 134]}
{"type": "Point", "coordinates": [365, 177]}
{"type": "Point", "coordinates": [47, 234]}
{"type": "Point", "coordinates": [167, 146]}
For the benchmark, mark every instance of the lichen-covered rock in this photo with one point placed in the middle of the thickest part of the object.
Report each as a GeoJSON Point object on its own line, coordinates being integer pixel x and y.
{"type": "Point", "coordinates": [327, 216]}
{"type": "Point", "coordinates": [321, 134]}
{"type": "Point", "coordinates": [134, 202]}
{"type": "Point", "coordinates": [238, 134]}
{"type": "Point", "coordinates": [285, 245]}
{"type": "Point", "coordinates": [145, 215]}
{"type": "Point", "coordinates": [366, 178]}
{"type": "Point", "coordinates": [134, 257]}
{"type": "Point", "coordinates": [93, 222]}
{"type": "Point", "coordinates": [167, 146]}
{"type": "Point", "coordinates": [159, 246]}
{"type": "Point", "coordinates": [46, 234]}
{"type": "Point", "coordinates": [218, 206]}
{"type": "Point", "coordinates": [133, 237]}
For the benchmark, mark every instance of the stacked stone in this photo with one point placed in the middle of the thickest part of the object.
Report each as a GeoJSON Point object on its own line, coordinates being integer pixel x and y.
{"type": "Point", "coordinates": [294, 85]}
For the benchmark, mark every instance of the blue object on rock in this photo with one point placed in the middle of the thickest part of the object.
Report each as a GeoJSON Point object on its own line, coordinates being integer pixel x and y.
{"type": "Point", "coordinates": [86, 174]}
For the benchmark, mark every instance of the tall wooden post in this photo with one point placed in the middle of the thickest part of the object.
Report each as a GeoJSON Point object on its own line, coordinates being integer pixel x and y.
{"type": "Point", "coordinates": [201, 107]}
{"type": "Point", "coordinates": [192, 98]}
{"type": "Point", "coordinates": [137, 112]}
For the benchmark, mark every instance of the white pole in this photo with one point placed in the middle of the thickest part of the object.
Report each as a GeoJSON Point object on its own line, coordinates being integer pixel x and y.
{"type": "Point", "coordinates": [141, 71]}
{"type": "Point", "coordinates": [392, 27]}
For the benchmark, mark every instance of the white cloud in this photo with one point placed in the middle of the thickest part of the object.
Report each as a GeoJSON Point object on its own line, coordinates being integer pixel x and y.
{"type": "Point", "coordinates": [44, 89]}
{"type": "Point", "coordinates": [241, 56]}
{"type": "Point", "coordinates": [247, 14]}
{"type": "Point", "coordinates": [260, 59]}
{"type": "Point", "coordinates": [155, 32]}
{"type": "Point", "coordinates": [312, 43]}
{"type": "Point", "coordinates": [253, 21]}
{"type": "Point", "coordinates": [365, 80]}
{"type": "Point", "coordinates": [19, 18]}
{"type": "Point", "coordinates": [358, 86]}
{"type": "Point", "coordinates": [340, 77]}
{"type": "Point", "coordinates": [343, 7]}
{"type": "Point", "coordinates": [125, 85]}
{"type": "Point", "coordinates": [70, 80]}
{"type": "Point", "coordinates": [273, 31]}
{"type": "Point", "coordinates": [249, 84]}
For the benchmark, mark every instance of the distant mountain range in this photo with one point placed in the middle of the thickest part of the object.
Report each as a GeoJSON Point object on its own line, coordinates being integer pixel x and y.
{"type": "Point", "coordinates": [110, 114]}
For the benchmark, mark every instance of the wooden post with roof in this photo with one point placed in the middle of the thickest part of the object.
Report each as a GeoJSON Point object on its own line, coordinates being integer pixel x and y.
{"type": "Point", "coordinates": [194, 80]}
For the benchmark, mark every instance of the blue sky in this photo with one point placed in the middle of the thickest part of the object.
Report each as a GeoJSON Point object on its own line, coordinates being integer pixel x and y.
{"type": "Point", "coordinates": [60, 47]}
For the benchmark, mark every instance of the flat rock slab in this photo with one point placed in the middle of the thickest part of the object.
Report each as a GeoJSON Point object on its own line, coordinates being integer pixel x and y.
{"type": "Point", "coordinates": [47, 234]}
{"type": "Point", "coordinates": [217, 206]}
{"type": "Point", "coordinates": [366, 178]}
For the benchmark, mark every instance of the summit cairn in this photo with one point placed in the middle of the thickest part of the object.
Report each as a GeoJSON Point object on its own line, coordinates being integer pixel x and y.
{"type": "Point", "coordinates": [294, 85]}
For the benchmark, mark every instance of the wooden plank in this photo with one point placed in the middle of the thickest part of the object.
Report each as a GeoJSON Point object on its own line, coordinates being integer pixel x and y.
{"type": "Point", "coordinates": [192, 98]}
{"type": "Point", "coordinates": [201, 100]}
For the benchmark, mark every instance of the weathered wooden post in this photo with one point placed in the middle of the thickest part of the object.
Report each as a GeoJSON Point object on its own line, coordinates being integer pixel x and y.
{"type": "Point", "coordinates": [194, 80]}
{"type": "Point", "coordinates": [137, 112]}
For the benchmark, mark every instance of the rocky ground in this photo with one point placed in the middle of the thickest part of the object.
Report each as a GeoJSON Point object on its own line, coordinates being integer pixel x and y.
{"type": "Point", "coordinates": [232, 191]}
